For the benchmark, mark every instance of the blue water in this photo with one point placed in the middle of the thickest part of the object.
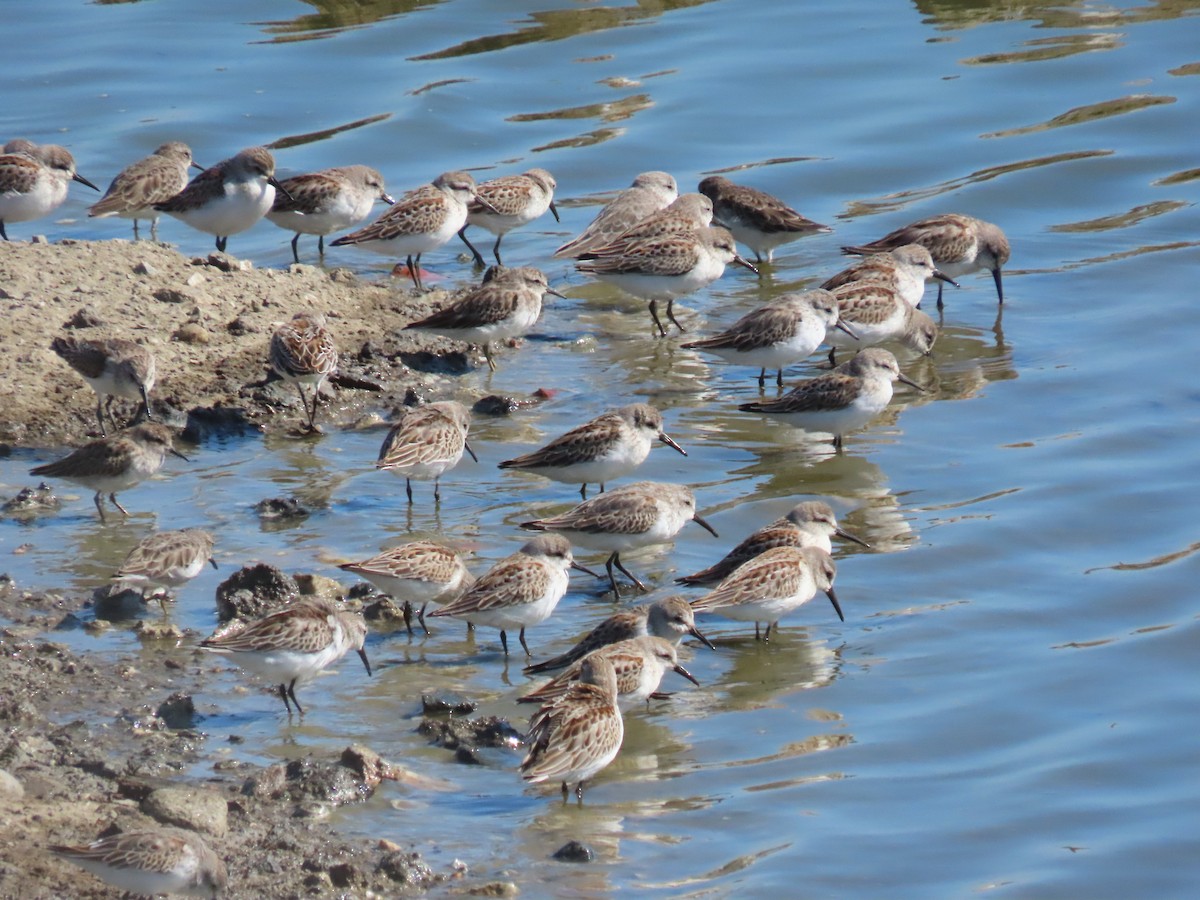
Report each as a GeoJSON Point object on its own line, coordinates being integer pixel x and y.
{"type": "Point", "coordinates": [1007, 708]}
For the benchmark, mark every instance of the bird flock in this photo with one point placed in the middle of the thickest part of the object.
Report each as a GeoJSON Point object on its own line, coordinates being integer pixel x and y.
{"type": "Point", "coordinates": [648, 240]}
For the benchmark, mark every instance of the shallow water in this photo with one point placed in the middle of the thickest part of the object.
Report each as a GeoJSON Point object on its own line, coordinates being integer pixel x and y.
{"type": "Point", "coordinates": [1006, 708]}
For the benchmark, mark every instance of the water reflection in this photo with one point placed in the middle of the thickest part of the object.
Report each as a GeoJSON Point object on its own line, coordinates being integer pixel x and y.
{"type": "Point", "coordinates": [333, 16]}
{"type": "Point", "coordinates": [560, 24]}
{"type": "Point", "coordinates": [969, 13]}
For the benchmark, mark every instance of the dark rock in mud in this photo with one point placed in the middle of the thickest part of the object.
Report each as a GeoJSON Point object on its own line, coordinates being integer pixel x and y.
{"type": "Point", "coordinates": [253, 591]}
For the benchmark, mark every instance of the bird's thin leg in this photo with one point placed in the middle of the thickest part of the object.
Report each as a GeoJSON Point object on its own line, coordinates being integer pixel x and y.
{"type": "Point", "coordinates": [662, 332]}
{"type": "Point", "coordinates": [671, 314]}
{"type": "Point", "coordinates": [504, 641]}
{"type": "Point", "coordinates": [524, 645]}
{"type": "Point", "coordinates": [608, 565]}
{"type": "Point", "coordinates": [113, 498]}
{"type": "Point", "coordinates": [295, 250]}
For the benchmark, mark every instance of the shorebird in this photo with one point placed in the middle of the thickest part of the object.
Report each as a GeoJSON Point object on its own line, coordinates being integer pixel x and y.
{"type": "Point", "coordinates": [295, 644]}
{"type": "Point", "coordinates": [34, 180]}
{"type": "Point", "coordinates": [417, 574]}
{"type": "Point", "coordinates": [609, 446]}
{"type": "Point", "coordinates": [112, 464]}
{"type": "Point", "coordinates": [151, 862]}
{"type": "Point", "coordinates": [627, 518]}
{"type": "Point", "coordinates": [958, 244]}
{"type": "Point", "coordinates": [323, 202]}
{"type": "Point", "coordinates": [573, 738]}
{"type": "Point", "coordinates": [649, 192]}
{"type": "Point", "coordinates": [520, 591]}
{"type": "Point", "coordinates": [840, 401]}
{"type": "Point", "coordinates": [906, 268]}
{"type": "Point", "coordinates": [302, 352]}
{"type": "Point", "coordinates": [165, 560]}
{"type": "Point", "coordinates": [229, 197]}
{"type": "Point", "coordinates": [771, 585]}
{"type": "Point", "coordinates": [506, 305]}
{"type": "Point", "coordinates": [154, 179]}
{"type": "Point", "coordinates": [513, 201]}
{"type": "Point", "coordinates": [757, 219]}
{"type": "Point", "coordinates": [427, 441]}
{"type": "Point", "coordinates": [809, 523]}
{"type": "Point", "coordinates": [112, 368]}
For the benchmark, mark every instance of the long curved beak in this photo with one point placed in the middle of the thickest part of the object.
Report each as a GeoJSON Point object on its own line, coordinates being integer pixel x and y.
{"type": "Point", "coordinates": [942, 276]}
{"type": "Point", "coordinates": [745, 263]}
{"type": "Point", "coordinates": [837, 607]}
{"type": "Point", "coordinates": [999, 284]}
{"type": "Point", "coordinates": [82, 180]}
{"type": "Point", "coordinates": [467, 447]}
{"type": "Point", "coordinates": [842, 326]}
{"type": "Point", "coordinates": [699, 521]}
{"type": "Point", "coordinates": [212, 562]}
{"type": "Point", "coordinates": [554, 211]}
{"type": "Point", "coordinates": [670, 442]}
{"type": "Point", "coordinates": [279, 187]}
{"type": "Point", "coordinates": [175, 452]}
{"type": "Point", "coordinates": [910, 382]}
{"type": "Point", "coordinates": [582, 568]}
{"type": "Point", "coordinates": [695, 632]}
{"type": "Point", "coordinates": [552, 292]}
{"type": "Point", "coordinates": [680, 670]}
{"type": "Point", "coordinates": [851, 537]}
{"type": "Point", "coordinates": [387, 198]}
{"type": "Point", "coordinates": [196, 165]}
{"type": "Point", "coordinates": [362, 654]}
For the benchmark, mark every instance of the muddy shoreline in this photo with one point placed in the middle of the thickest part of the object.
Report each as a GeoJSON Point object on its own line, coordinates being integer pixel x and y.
{"type": "Point", "coordinates": [88, 744]}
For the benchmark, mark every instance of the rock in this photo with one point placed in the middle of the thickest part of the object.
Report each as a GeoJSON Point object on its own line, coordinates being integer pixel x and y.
{"type": "Point", "coordinates": [205, 422]}
{"type": "Point", "coordinates": [306, 780]}
{"type": "Point", "coordinates": [158, 631]}
{"type": "Point", "coordinates": [30, 502]}
{"type": "Point", "coordinates": [253, 591]}
{"type": "Point", "coordinates": [573, 851]}
{"type": "Point", "coordinates": [319, 586]}
{"type": "Point", "coordinates": [407, 869]}
{"type": "Point", "coordinates": [10, 788]}
{"type": "Point", "coordinates": [465, 736]}
{"type": "Point", "coordinates": [174, 295]}
{"type": "Point", "coordinates": [144, 268]}
{"type": "Point", "coordinates": [177, 711]}
{"type": "Point", "coordinates": [198, 809]}
{"type": "Point", "coordinates": [447, 703]}
{"type": "Point", "coordinates": [370, 767]}
{"type": "Point", "coordinates": [83, 318]}
{"type": "Point", "coordinates": [495, 889]}
{"type": "Point", "coordinates": [451, 362]}
{"type": "Point", "coordinates": [191, 333]}
{"type": "Point", "coordinates": [496, 405]}
{"type": "Point", "coordinates": [280, 508]}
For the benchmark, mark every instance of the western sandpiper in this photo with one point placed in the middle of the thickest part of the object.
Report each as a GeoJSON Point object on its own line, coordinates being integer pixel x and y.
{"type": "Point", "coordinates": [302, 352]}
{"type": "Point", "coordinates": [34, 180]}
{"type": "Point", "coordinates": [427, 441]}
{"type": "Point", "coordinates": [512, 201]}
{"type": "Point", "coordinates": [669, 618]}
{"type": "Point", "coordinates": [154, 179]}
{"type": "Point", "coordinates": [420, 221]}
{"type": "Point", "coordinates": [519, 591]}
{"type": "Point", "coordinates": [323, 202]}
{"type": "Point", "coordinates": [112, 368]}
{"type": "Point", "coordinates": [958, 244]}
{"type": "Point", "coordinates": [809, 523]}
{"type": "Point", "coordinates": [771, 585]}
{"type": "Point", "coordinates": [417, 574]}
{"type": "Point", "coordinates": [627, 518]}
{"type": "Point", "coordinates": [229, 197]}
{"type": "Point", "coordinates": [161, 861]}
{"type": "Point", "coordinates": [506, 305]}
{"type": "Point", "coordinates": [573, 738]}
{"type": "Point", "coordinates": [609, 446]}
{"type": "Point", "coordinates": [906, 269]}
{"type": "Point", "coordinates": [650, 192]}
{"type": "Point", "coordinates": [841, 401]}
{"type": "Point", "coordinates": [876, 312]}
{"type": "Point", "coordinates": [686, 214]}
{"type": "Point", "coordinates": [640, 664]}
{"type": "Point", "coordinates": [785, 331]}
{"type": "Point", "coordinates": [665, 268]}
{"type": "Point", "coordinates": [295, 644]}
{"type": "Point", "coordinates": [115, 463]}
{"type": "Point", "coordinates": [165, 560]}
{"type": "Point", "coordinates": [757, 219]}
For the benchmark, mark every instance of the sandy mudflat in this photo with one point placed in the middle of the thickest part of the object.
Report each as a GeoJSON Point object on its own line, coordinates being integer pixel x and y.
{"type": "Point", "coordinates": [208, 321]}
